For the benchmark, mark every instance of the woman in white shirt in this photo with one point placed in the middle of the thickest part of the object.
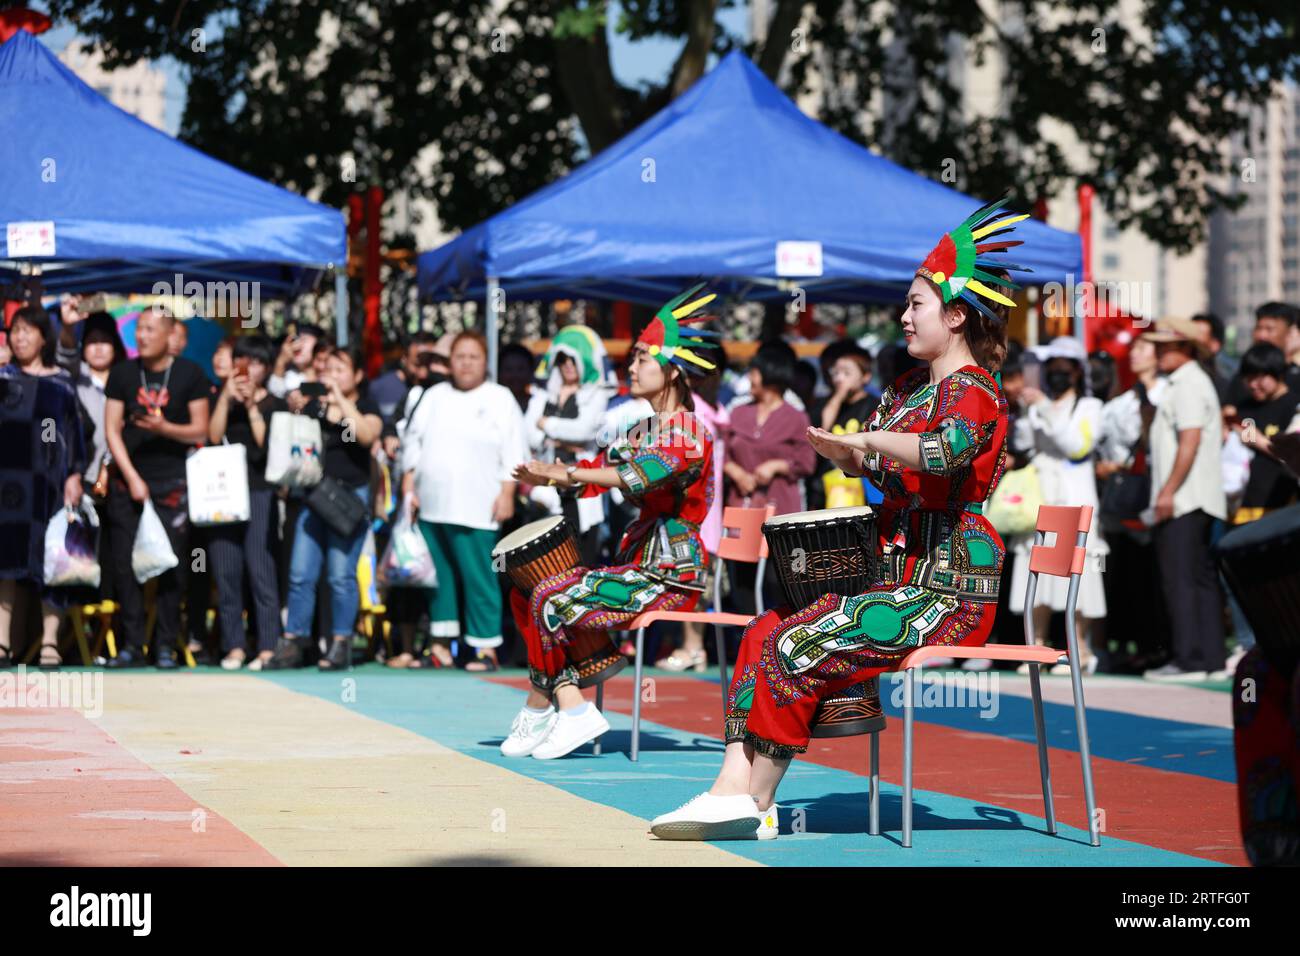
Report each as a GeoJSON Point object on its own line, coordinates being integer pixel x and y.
{"type": "Point", "coordinates": [459, 451]}
{"type": "Point", "coordinates": [1060, 433]}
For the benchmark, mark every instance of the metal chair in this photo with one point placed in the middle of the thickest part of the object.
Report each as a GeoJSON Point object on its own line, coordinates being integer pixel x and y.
{"type": "Point", "coordinates": [1064, 558]}
{"type": "Point", "coordinates": [749, 546]}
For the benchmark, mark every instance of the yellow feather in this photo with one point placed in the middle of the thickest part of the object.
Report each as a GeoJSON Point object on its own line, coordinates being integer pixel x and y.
{"type": "Point", "coordinates": [995, 226]}
{"type": "Point", "coordinates": [693, 358]}
{"type": "Point", "coordinates": [690, 307]}
{"type": "Point", "coordinates": [976, 286]}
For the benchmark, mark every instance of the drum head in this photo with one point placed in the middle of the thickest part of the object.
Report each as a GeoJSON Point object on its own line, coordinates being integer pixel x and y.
{"type": "Point", "coordinates": [528, 533]}
{"type": "Point", "coordinates": [1275, 530]}
{"type": "Point", "coordinates": [824, 514]}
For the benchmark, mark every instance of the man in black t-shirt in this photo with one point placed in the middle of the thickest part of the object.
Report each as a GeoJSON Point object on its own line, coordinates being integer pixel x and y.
{"type": "Point", "coordinates": [156, 410]}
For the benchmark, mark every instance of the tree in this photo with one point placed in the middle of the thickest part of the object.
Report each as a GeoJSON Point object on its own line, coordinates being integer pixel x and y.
{"type": "Point", "coordinates": [512, 94]}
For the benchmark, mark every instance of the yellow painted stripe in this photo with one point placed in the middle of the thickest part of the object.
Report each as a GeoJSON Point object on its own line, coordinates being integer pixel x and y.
{"type": "Point", "coordinates": [318, 784]}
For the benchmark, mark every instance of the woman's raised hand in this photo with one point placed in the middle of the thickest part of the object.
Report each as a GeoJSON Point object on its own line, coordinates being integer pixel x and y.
{"type": "Point", "coordinates": [835, 447]}
{"type": "Point", "coordinates": [541, 473]}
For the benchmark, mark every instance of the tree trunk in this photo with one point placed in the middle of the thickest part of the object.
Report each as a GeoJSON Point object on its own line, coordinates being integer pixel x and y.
{"type": "Point", "coordinates": [779, 37]}
{"type": "Point", "coordinates": [582, 65]}
{"type": "Point", "coordinates": [700, 24]}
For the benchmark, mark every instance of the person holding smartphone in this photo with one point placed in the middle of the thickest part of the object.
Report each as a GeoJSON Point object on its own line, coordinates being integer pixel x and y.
{"type": "Point", "coordinates": [293, 364]}
{"type": "Point", "coordinates": [156, 409]}
{"type": "Point", "coordinates": [350, 425]}
{"type": "Point", "coordinates": [241, 416]}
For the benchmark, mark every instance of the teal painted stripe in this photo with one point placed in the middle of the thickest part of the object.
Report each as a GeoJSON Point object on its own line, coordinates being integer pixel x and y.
{"type": "Point", "coordinates": [471, 716]}
{"type": "Point", "coordinates": [1198, 749]}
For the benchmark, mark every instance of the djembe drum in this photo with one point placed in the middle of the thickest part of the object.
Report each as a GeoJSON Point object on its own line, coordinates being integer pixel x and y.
{"type": "Point", "coordinates": [542, 550]}
{"type": "Point", "coordinates": [830, 552]}
{"type": "Point", "coordinates": [1259, 563]}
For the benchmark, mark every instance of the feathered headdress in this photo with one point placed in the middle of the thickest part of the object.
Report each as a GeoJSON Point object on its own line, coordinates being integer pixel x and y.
{"type": "Point", "coordinates": [956, 265]}
{"type": "Point", "coordinates": [669, 342]}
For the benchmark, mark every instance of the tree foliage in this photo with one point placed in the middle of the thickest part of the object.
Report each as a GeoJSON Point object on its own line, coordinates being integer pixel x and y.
{"type": "Point", "coordinates": [510, 94]}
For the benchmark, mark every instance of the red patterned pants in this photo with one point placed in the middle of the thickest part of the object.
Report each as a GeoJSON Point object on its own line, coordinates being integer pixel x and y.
{"type": "Point", "coordinates": [789, 662]}
{"type": "Point", "coordinates": [580, 604]}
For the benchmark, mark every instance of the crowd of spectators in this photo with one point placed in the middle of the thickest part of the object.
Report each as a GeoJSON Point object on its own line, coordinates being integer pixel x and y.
{"type": "Point", "coordinates": [1168, 462]}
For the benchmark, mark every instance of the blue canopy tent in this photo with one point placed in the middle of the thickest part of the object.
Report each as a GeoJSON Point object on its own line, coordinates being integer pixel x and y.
{"type": "Point", "coordinates": [707, 188]}
{"type": "Point", "coordinates": [96, 200]}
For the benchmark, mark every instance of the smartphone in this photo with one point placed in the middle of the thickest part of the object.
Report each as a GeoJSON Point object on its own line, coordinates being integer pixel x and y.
{"type": "Point", "coordinates": [241, 366]}
{"type": "Point", "coordinates": [312, 389]}
{"type": "Point", "coordinates": [1032, 375]}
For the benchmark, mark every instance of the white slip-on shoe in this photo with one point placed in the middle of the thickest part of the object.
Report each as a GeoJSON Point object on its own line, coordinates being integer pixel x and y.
{"type": "Point", "coordinates": [770, 824]}
{"type": "Point", "coordinates": [568, 733]}
{"type": "Point", "coordinates": [709, 817]}
{"type": "Point", "coordinates": [527, 731]}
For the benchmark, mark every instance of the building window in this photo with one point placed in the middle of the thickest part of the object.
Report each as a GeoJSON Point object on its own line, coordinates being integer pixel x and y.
{"type": "Point", "coordinates": [1110, 262]}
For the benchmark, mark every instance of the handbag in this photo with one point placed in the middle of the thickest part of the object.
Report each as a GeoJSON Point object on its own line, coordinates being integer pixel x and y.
{"type": "Point", "coordinates": [1126, 494]}
{"type": "Point", "coordinates": [1013, 506]}
{"type": "Point", "coordinates": [337, 505]}
{"type": "Point", "coordinates": [294, 447]}
{"type": "Point", "coordinates": [217, 479]}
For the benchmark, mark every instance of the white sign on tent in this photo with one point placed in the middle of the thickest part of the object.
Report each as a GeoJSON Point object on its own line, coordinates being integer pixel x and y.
{"type": "Point", "coordinates": [798, 258]}
{"type": "Point", "coordinates": [30, 239]}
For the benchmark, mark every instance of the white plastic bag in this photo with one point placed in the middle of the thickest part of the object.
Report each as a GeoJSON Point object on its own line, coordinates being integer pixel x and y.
{"type": "Point", "coordinates": [217, 480]}
{"type": "Point", "coordinates": [152, 554]}
{"type": "Point", "coordinates": [293, 451]}
{"type": "Point", "coordinates": [407, 562]}
{"type": "Point", "coordinates": [72, 547]}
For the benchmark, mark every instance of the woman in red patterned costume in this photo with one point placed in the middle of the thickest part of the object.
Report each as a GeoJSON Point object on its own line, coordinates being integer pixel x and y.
{"type": "Point", "coordinates": [936, 447]}
{"type": "Point", "coordinates": [665, 466]}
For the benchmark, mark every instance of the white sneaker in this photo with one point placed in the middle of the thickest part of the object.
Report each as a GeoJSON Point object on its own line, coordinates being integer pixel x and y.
{"type": "Point", "coordinates": [682, 660]}
{"type": "Point", "coordinates": [527, 731]}
{"type": "Point", "coordinates": [769, 823]}
{"type": "Point", "coordinates": [1171, 674]}
{"type": "Point", "coordinates": [709, 817]}
{"type": "Point", "coordinates": [568, 733]}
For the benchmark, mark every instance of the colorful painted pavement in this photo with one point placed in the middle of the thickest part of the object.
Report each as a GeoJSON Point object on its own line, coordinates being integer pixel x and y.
{"type": "Point", "coordinates": [391, 768]}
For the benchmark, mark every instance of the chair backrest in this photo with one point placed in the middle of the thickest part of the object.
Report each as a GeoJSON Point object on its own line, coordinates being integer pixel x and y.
{"type": "Point", "coordinates": [748, 544]}
{"type": "Point", "coordinates": [1067, 555]}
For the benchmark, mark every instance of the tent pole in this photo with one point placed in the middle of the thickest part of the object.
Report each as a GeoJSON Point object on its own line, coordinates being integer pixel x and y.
{"type": "Point", "coordinates": [492, 325]}
{"type": "Point", "coordinates": [341, 308]}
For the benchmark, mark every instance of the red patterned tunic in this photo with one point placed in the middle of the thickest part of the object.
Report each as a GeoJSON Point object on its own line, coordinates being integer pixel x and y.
{"type": "Point", "coordinates": [667, 468]}
{"type": "Point", "coordinates": [940, 565]}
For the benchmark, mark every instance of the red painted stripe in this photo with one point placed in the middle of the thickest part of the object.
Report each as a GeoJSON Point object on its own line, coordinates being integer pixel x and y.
{"type": "Point", "coordinates": [70, 795]}
{"type": "Point", "coordinates": [1159, 808]}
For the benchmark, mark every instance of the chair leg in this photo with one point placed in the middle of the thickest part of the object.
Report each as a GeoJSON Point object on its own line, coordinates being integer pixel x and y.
{"type": "Point", "coordinates": [873, 826]}
{"type": "Point", "coordinates": [908, 684]}
{"type": "Point", "coordinates": [636, 696]}
{"type": "Point", "coordinates": [1040, 731]}
{"type": "Point", "coordinates": [600, 706]}
{"type": "Point", "coordinates": [723, 677]}
{"type": "Point", "coordinates": [1085, 756]}
{"type": "Point", "coordinates": [79, 630]}
{"type": "Point", "coordinates": [1080, 719]}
